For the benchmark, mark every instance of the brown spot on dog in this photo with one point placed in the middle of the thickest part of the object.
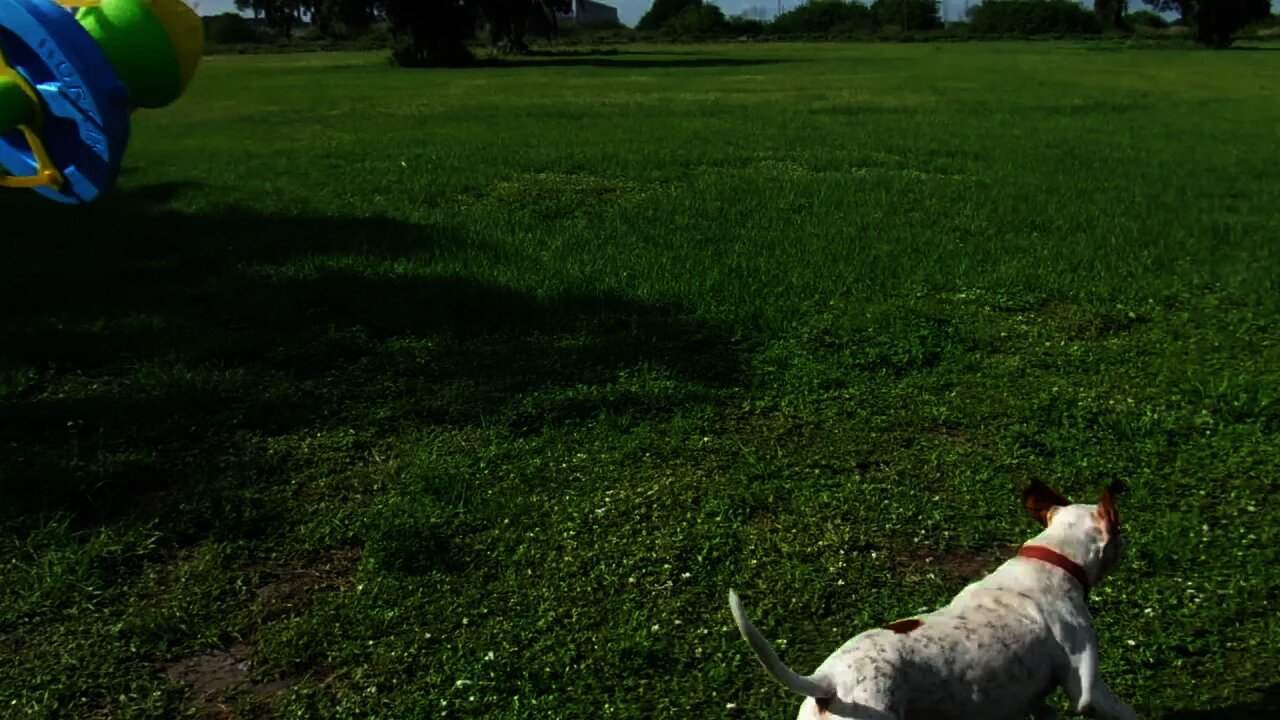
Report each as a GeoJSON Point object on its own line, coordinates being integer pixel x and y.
{"type": "Point", "coordinates": [823, 704]}
{"type": "Point", "coordinates": [902, 627]}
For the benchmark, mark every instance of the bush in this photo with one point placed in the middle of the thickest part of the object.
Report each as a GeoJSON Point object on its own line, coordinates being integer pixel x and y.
{"type": "Point", "coordinates": [743, 27]}
{"type": "Point", "coordinates": [230, 29]}
{"type": "Point", "coordinates": [379, 39]}
{"type": "Point", "coordinates": [1268, 29]}
{"type": "Point", "coordinates": [1033, 17]}
{"type": "Point", "coordinates": [604, 34]}
{"type": "Point", "coordinates": [825, 17]}
{"type": "Point", "coordinates": [907, 15]}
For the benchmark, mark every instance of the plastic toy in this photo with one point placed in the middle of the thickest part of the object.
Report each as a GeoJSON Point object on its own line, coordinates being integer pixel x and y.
{"type": "Point", "coordinates": [69, 83]}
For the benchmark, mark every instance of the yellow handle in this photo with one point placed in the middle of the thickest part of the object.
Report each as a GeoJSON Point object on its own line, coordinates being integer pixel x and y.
{"type": "Point", "coordinates": [46, 174]}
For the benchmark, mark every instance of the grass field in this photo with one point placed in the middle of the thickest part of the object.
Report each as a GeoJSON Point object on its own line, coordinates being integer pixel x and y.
{"type": "Point", "coordinates": [471, 393]}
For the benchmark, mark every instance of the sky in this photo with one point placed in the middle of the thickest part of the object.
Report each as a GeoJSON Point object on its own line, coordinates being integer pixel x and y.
{"type": "Point", "coordinates": [629, 11]}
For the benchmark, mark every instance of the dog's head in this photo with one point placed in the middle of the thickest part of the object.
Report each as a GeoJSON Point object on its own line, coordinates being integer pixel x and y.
{"type": "Point", "coordinates": [1091, 532]}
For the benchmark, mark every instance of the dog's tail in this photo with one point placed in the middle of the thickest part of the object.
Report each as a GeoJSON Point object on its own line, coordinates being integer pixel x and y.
{"type": "Point", "coordinates": [812, 686]}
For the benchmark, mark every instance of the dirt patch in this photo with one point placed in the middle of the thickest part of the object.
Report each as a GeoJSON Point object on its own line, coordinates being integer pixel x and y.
{"type": "Point", "coordinates": [218, 681]}
{"type": "Point", "coordinates": [782, 168]}
{"type": "Point", "coordinates": [909, 173]}
{"type": "Point", "coordinates": [772, 425]}
{"type": "Point", "coordinates": [155, 502]}
{"type": "Point", "coordinates": [272, 688]}
{"type": "Point", "coordinates": [211, 674]}
{"type": "Point", "coordinates": [956, 435]}
{"type": "Point", "coordinates": [767, 523]}
{"type": "Point", "coordinates": [285, 588]}
{"type": "Point", "coordinates": [215, 679]}
{"type": "Point", "coordinates": [957, 564]}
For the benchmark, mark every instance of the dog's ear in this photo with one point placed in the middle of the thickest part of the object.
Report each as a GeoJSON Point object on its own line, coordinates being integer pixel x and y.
{"type": "Point", "coordinates": [1039, 499]}
{"type": "Point", "coordinates": [1106, 512]}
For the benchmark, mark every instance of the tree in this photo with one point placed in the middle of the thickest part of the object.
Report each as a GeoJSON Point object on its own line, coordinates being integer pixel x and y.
{"type": "Point", "coordinates": [1032, 17]}
{"type": "Point", "coordinates": [907, 14]}
{"type": "Point", "coordinates": [1146, 19]}
{"type": "Point", "coordinates": [336, 18]}
{"type": "Point", "coordinates": [1216, 21]}
{"type": "Point", "coordinates": [435, 32]}
{"type": "Point", "coordinates": [824, 16]}
{"type": "Point", "coordinates": [280, 15]}
{"type": "Point", "coordinates": [508, 22]}
{"type": "Point", "coordinates": [663, 12]}
{"type": "Point", "coordinates": [698, 20]}
{"type": "Point", "coordinates": [741, 26]}
{"type": "Point", "coordinates": [332, 17]}
{"type": "Point", "coordinates": [688, 18]}
{"type": "Point", "coordinates": [230, 28]}
{"type": "Point", "coordinates": [431, 32]}
{"type": "Point", "coordinates": [1111, 13]}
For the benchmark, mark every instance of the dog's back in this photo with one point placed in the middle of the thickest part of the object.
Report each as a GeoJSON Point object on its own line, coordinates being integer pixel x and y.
{"type": "Point", "coordinates": [982, 657]}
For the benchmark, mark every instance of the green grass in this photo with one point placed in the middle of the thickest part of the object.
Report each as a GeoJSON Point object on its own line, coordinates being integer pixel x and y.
{"type": "Point", "coordinates": [471, 393]}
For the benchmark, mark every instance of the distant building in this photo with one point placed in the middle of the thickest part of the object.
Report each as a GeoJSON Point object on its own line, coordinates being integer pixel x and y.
{"type": "Point", "coordinates": [588, 12]}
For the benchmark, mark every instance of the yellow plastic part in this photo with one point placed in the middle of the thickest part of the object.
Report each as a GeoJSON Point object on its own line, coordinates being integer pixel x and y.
{"type": "Point", "coordinates": [46, 174]}
{"type": "Point", "coordinates": [185, 29]}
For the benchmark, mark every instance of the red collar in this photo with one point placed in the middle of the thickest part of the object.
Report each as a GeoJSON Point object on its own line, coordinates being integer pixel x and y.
{"type": "Point", "coordinates": [1057, 559]}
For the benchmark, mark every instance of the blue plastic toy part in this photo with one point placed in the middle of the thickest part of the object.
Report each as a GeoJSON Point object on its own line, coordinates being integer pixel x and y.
{"type": "Point", "coordinates": [85, 124]}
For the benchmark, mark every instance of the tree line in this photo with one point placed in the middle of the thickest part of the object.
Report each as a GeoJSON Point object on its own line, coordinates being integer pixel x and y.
{"type": "Point", "coordinates": [439, 32]}
{"type": "Point", "coordinates": [434, 31]}
{"type": "Point", "coordinates": [331, 16]}
{"type": "Point", "coordinates": [1214, 22]}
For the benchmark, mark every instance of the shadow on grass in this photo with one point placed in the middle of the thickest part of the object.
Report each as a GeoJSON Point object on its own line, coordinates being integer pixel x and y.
{"type": "Point", "coordinates": [1265, 707]}
{"type": "Point", "coordinates": [621, 62]}
{"type": "Point", "coordinates": [143, 350]}
{"type": "Point", "coordinates": [598, 51]}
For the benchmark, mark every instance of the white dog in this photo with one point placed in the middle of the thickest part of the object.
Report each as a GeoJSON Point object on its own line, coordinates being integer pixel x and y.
{"type": "Point", "coordinates": [996, 652]}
